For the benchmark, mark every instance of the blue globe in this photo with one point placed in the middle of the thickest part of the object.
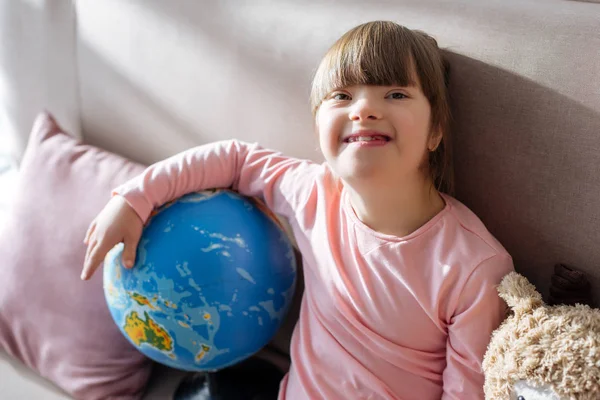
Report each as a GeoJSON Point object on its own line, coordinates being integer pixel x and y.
{"type": "Point", "coordinates": [214, 277]}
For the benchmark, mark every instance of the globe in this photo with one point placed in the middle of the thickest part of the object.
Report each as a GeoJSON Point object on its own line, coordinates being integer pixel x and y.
{"type": "Point", "coordinates": [214, 277]}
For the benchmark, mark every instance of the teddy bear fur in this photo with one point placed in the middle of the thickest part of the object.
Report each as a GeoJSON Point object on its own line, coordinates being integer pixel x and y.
{"type": "Point", "coordinates": [546, 346]}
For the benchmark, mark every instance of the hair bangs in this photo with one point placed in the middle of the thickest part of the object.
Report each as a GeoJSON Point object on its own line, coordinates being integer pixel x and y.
{"type": "Point", "coordinates": [375, 54]}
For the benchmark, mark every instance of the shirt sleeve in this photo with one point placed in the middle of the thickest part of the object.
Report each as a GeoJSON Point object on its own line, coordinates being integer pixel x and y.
{"type": "Point", "coordinates": [284, 183]}
{"type": "Point", "coordinates": [479, 312]}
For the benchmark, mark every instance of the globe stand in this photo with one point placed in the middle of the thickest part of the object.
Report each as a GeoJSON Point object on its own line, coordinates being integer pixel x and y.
{"type": "Point", "coordinates": [252, 379]}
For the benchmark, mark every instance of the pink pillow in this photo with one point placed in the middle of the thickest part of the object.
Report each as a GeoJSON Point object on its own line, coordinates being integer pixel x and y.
{"type": "Point", "coordinates": [50, 319]}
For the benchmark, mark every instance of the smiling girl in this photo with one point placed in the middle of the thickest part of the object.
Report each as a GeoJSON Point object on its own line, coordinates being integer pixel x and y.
{"type": "Point", "coordinates": [400, 277]}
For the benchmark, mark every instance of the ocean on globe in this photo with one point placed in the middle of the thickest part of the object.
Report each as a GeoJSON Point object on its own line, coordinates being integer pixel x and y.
{"type": "Point", "coordinates": [214, 277]}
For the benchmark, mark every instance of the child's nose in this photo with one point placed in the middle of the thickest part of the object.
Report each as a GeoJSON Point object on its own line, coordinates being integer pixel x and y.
{"type": "Point", "coordinates": [364, 110]}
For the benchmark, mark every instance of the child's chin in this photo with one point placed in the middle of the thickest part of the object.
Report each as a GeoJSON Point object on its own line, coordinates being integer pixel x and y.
{"type": "Point", "coordinates": [356, 170]}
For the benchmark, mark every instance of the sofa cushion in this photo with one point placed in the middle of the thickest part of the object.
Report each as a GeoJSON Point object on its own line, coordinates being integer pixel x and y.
{"type": "Point", "coordinates": [52, 321]}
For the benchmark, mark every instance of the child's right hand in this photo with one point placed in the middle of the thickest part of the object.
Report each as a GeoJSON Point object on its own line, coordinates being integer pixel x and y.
{"type": "Point", "coordinates": [117, 222]}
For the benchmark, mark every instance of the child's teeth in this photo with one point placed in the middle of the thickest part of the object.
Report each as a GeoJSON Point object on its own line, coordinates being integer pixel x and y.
{"type": "Point", "coordinates": [364, 138]}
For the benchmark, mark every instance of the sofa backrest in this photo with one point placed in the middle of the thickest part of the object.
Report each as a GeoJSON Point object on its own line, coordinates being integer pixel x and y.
{"type": "Point", "coordinates": [156, 77]}
{"type": "Point", "coordinates": [38, 69]}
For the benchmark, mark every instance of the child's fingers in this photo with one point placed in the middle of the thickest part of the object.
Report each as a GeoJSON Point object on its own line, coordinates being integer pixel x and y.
{"type": "Point", "coordinates": [96, 256]}
{"type": "Point", "coordinates": [90, 247]}
{"type": "Point", "coordinates": [89, 232]}
{"type": "Point", "coordinates": [128, 257]}
{"type": "Point", "coordinates": [87, 272]}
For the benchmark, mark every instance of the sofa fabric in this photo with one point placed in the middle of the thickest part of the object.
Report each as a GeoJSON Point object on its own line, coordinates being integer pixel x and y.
{"type": "Point", "coordinates": [38, 69]}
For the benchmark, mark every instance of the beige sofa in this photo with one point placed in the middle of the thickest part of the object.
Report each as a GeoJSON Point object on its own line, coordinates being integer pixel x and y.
{"type": "Point", "coordinates": [149, 78]}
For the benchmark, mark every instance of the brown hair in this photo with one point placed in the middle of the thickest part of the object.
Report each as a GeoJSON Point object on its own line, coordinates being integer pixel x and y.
{"type": "Point", "coordinates": [385, 53]}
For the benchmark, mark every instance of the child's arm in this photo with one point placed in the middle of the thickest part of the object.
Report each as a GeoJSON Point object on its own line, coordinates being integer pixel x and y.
{"type": "Point", "coordinates": [478, 313]}
{"type": "Point", "coordinates": [283, 182]}
{"type": "Point", "coordinates": [247, 168]}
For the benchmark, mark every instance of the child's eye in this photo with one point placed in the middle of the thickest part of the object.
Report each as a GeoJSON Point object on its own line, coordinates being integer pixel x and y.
{"type": "Point", "coordinates": [340, 96]}
{"type": "Point", "coordinates": [397, 95]}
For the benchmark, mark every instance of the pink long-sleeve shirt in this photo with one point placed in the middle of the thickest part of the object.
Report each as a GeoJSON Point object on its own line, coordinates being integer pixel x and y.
{"type": "Point", "coordinates": [382, 317]}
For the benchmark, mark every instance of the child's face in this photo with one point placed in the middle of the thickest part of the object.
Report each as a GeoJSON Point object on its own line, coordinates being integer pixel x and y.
{"type": "Point", "coordinates": [377, 132]}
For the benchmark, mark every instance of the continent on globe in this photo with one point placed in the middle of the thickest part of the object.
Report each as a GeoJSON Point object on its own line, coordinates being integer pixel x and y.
{"type": "Point", "coordinates": [202, 353]}
{"type": "Point", "coordinates": [147, 331]}
{"type": "Point", "coordinates": [143, 300]}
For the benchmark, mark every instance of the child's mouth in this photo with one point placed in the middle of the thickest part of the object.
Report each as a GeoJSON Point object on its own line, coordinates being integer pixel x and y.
{"type": "Point", "coordinates": [368, 138]}
{"type": "Point", "coordinates": [373, 138]}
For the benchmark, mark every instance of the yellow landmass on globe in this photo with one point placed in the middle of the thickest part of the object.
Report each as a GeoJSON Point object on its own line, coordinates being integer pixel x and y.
{"type": "Point", "coordinates": [183, 324]}
{"type": "Point", "coordinates": [202, 353]}
{"type": "Point", "coordinates": [110, 289]}
{"type": "Point", "coordinates": [142, 300]}
{"type": "Point", "coordinates": [170, 304]}
{"type": "Point", "coordinates": [147, 331]}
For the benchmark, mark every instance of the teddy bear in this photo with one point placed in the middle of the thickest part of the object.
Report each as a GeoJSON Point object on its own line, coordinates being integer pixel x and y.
{"type": "Point", "coordinates": [540, 351]}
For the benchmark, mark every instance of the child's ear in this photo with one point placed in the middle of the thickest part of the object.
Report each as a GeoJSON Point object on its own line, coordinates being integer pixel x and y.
{"type": "Point", "coordinates": [434, 140]}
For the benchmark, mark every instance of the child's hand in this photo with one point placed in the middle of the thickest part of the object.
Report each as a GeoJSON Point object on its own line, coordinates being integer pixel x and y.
{"type": "Point", "coordinates": [117, 222]}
